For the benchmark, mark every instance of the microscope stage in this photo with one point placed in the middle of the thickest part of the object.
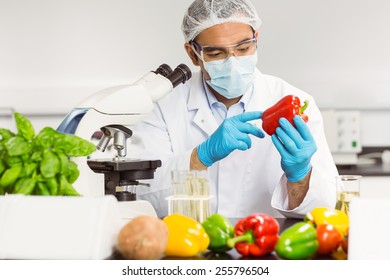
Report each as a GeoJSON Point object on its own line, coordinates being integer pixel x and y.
{"type": "Point", "coordinates": [108, 165]}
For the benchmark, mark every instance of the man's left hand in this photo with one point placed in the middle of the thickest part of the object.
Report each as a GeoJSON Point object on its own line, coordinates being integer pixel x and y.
{"type": "Point", "coordinates": [296, 147]}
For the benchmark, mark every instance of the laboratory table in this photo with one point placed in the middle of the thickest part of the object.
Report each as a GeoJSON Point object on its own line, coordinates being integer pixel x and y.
{"type": "Point", "coordinates": [369, 170]}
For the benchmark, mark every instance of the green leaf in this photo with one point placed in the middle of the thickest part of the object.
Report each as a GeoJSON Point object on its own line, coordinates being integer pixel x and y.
{"type": "Point", "coordinates": [17, 146]}
{"type": "Point", "coordinates": [6, 133]}
{"type": "Point", "coordinates": [24, 126]}
{"type": "Point", "coordinates": [73, 172]}
{"type": "Point", "coordinates": [66, 188]}
{"type": "Point", "coordinates": [64, 160]}
{"type": "Point", "coordinates": [10, 176]}
{"type": "Point", "coordinates": [36, 156]}
{"type": "Point", "coordinates": [28, 169]}
{"type": "Point", "coordinates": [52, 185]}
{"type": "Point", "coordinates": [24, 186]}
{"type": "Point", "coordinates": [73, 146]}
{"type": "Point", "coordinates": [12, 161]}
{"type": "Point", "coordinates": [45, 138]}
{"type": "Point", "coordinates": [2, 166]}
{"type": "Point", "coordinates": [42, 189]}
{"type": "Point", "coordinates": [50, 164]}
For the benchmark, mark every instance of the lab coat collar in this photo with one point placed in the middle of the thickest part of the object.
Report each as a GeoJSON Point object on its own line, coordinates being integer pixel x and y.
{"type": "Point", "coordinates": [196, 100]}
{"type": "Point", "coordinates": [204, 117]}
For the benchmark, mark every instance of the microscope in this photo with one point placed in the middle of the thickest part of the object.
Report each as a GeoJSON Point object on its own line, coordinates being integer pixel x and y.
{"type": "Point", "coordinates": [121, 175]}
{"type": "Point", "coordinates": [114, 110]}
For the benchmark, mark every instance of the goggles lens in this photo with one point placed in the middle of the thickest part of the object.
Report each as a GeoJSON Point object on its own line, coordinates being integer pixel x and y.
{"type": "Point", "coordinates": [211, 53]}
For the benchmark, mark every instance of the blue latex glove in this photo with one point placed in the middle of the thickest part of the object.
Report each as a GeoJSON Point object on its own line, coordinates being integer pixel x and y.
{"type": "Point", "coordinates": [296, 147]}
{"type": "Point", "coordinates": [232, 134]}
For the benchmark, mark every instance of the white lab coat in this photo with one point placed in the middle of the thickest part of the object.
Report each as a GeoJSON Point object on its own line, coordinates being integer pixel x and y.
{"type": "Point", "coordinates": [245, 182]}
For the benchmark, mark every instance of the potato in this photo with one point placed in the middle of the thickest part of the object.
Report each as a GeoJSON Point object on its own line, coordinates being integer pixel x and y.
{"type": "Point", "coordinates": [143, 238]}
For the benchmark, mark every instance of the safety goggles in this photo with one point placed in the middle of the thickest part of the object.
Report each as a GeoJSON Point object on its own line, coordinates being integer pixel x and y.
{"type": "Point", "coordinates": [212, 53]}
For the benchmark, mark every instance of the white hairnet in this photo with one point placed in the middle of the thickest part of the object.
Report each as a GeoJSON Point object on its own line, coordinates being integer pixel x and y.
{"type": "Point", "coordinates": [203, 14]}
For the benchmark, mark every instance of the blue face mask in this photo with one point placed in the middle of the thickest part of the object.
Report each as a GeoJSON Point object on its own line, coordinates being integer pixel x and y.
{"type": "Point", "coordinates": [232, 78]}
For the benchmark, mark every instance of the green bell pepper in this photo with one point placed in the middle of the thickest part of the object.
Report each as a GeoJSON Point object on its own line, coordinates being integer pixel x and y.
{"type": "Point", "coordinates": [220, 230]}
{"type": "Point", "coordinates": [298, 242]}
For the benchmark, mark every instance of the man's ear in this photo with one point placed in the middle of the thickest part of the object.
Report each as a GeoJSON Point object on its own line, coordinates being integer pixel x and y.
{"type": "Point", "coordinates": [191, 54]}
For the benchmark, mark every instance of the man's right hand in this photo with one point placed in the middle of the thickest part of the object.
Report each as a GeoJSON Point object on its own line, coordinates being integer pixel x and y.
{"type": "Point", "coordinates": [232, 134]}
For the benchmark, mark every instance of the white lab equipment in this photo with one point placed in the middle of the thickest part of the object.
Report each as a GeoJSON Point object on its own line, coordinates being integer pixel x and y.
{"type": "Point", "coordinates": [113, 111]}
{"type": "Point", "coordinates": [58, 227]}
{"type": "Point", "coordinates": [367, 216]}
{"type": "Point", "coordinates": [343, 133]}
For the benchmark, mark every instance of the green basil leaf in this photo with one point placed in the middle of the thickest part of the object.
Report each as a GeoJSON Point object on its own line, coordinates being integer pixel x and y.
{"type": "Point", "coordinates": [73, 146]}
{"type": "Point", "coordinates": [66, 188]}
{"type": "Point", "coordinates": [36, 156]}
{"type": "Point", "coordinates": [64, 160]}
{"type": "Point", "coordinates": [24, 126]}
{"type": "Point", "coordinates": [2, 167]}
{"type": "Point", "coordinates": [29, 169]}
{"type": "Point", "coordinates": [17, 146]}
{"type": "Point", "coordinates": [73, 172]}
{"type": "Point", "coordinates": [12, 161]}
{"type": "Point", "coordinates": [10, 176]}
{"type": "Point", "coordinates": [52, 185]}
{"type": "Point", "coordinates": [45, 138]}
{"type": "Point", "coordinates": [6, 133]}
{"type": "Point", "coordinates": [42, 189]}
{"type": "Point", "coordinates": [50, 164]}
{"type": "Point", "coordinates": [24, 186]}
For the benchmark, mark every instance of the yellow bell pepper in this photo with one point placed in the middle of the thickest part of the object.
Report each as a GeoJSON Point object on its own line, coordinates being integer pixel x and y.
{"type": "Point", "coordinates": [324, 215]}
{"type": "Point", "coordinates": [186, 236]}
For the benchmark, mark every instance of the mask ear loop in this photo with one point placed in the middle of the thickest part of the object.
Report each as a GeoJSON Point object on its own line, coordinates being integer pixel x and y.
{"type": "Point", "coordinates": [254, 37]}
{"type": "Point", "coordinates": [194, 46]}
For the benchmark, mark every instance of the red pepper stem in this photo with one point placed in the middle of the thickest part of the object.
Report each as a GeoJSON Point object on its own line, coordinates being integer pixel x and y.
{"type": "Point", "coordinates": [246, 237]}
{"type": "Point", "coordinates": [303, 108]}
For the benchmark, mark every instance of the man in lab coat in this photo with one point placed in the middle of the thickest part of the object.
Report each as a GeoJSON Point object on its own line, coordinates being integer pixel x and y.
{"type": "Point", "coordinates": [213, 123]}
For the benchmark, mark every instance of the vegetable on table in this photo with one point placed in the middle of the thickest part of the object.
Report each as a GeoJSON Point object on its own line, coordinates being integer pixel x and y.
{"type": "Point", "coordinates": [342, 252]}
{"type": "Point", "coordinates": [143, 238]}
{"type": "Point", "coordinates": [324, 215]}
{"type": "Point", "coordinates": [39, 164]}
{"type": "Point", "coordinates": [255, 235]}
{"type": "Point", "coordinates": [344, 243]}
{"type": "Point", "coordinates": [298, 242]}
{"type": "Point", "coordinates": [219, 230]}
{"type": "Point", "coordinates": [186, 236]}
{"type": "Point", "coordinates": [329, 239]}
{"type": "Point", "coordinates": [288, 107]}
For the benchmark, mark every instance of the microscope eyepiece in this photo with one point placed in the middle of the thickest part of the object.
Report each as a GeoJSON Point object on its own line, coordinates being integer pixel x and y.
{"type": "Point", "coordinates": [181, 74]}
{"type": "Point", "coordinates": [163, 69]}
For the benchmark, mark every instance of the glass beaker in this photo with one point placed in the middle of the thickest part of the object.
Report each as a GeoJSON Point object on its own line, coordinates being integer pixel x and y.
{"type": "Point", "coordinates": [348, 187]}
{"type": "Point", "coordinates": [191, 195]}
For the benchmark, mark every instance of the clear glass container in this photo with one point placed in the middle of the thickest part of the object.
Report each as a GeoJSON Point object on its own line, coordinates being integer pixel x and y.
{"type": "Point", "coordinates": [348, 187]}
{"type": "Point", "coordinates": [191, 194]}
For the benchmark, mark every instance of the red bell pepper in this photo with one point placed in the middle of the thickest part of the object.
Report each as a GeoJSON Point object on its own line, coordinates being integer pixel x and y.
{"type": "Point", "coordinates": [329, 239]}
{"type": "Point", "coordinates": [255, 235]}
{"type": "Point", "coordinates": [287, 107]}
